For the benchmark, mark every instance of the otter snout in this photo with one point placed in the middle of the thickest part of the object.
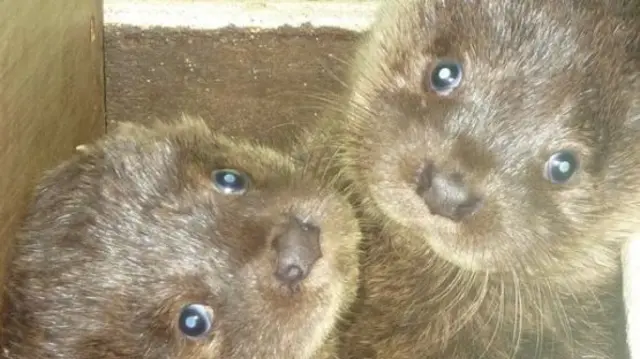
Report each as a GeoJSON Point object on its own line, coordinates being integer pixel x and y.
{"type": "Point", "coordinates": [297, 245]}
{"type": "Point", "coordinates": [446, 194]}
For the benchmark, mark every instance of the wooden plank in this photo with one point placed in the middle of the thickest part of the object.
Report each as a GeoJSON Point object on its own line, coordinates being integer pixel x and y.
{"type": "Point", "coordinates": [51, 94]}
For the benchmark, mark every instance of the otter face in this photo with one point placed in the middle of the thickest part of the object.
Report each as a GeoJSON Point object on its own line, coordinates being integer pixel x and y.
{"type": "Point", "coordinates": [173, 242]}
{"type": "Point", "coordinates": [494, 132]}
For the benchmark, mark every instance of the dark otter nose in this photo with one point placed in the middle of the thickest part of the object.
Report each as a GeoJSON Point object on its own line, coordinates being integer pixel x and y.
{"type": "Point", "coordinates": [446, 195]}
{"type": "Point", "coordinates": [297, 246]}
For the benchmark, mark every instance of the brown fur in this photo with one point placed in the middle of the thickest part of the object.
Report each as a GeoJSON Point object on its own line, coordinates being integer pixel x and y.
{"type": "Point", "coordinates": [535, 272]}
{"type": "Point", "coordinates": [123, 235]}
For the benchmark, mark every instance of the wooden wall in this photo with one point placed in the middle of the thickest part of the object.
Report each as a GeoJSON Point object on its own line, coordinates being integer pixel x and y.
{"type": "Point", "coordinates": [51, 94]}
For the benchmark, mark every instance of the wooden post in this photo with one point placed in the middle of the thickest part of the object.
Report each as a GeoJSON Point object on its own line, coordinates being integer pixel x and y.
{"type": "Point", "coordinates": [51, 95]}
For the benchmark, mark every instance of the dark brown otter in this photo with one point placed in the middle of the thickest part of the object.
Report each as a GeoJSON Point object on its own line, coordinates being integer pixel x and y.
{"type": "Point", "coordinates": [494, 149]}
{"type": "Point", "coordinates": [172, 241]}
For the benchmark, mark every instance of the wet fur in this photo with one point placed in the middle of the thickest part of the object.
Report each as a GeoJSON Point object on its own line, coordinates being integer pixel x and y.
{"type": "Point", "coordinates": [631, 268]}
{"type": "Point", "coordinates": [536, 273]}
{"type": "Point", "coordinates": [122, 235]}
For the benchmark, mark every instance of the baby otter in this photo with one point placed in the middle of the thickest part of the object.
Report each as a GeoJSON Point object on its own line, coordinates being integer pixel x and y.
{"type": "Point", "coordinates": [172, 241]}
{"type": "Point", "coordinates": [494, 149]}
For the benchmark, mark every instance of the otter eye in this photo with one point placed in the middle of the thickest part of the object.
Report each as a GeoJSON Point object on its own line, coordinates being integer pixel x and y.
{"type": "Point", "coordinates": [195, 320]}
{"type": "Point", "coordinates": [560, 167]}
{"type": "Point", "coordinates": [445, 77]}
{"type": "Point", "coordinates": [228, 181]}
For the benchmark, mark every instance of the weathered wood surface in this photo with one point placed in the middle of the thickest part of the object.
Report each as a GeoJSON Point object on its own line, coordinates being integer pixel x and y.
{"type": "Point", "coordinates": [51, 94]}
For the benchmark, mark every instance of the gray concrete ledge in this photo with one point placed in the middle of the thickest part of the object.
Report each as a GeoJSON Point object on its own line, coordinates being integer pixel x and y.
{"type": "Point", "coordinates": [354, 15]}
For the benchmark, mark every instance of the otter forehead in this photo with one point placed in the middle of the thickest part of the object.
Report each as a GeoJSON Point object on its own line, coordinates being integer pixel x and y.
{"type": "Point", "coordinates": [538, 36]}
{"type": "Point", "coordinates": [525, 46]}
{"type": "Point", "coordinates": [499, 32]}
{"type": "Point", "coordinates": [525, 65]}
{"type": "Point", "coordinates": [183, 161]}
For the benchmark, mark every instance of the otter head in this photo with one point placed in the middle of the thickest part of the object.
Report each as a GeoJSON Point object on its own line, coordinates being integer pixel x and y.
{"type": "Point", "coordinates": [174, 242]}
{"type": "Point", "coordinates": [499, 134]}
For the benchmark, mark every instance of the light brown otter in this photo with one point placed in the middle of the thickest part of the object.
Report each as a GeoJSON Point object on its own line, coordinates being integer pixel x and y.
{"type": "Point", "coordinates": [172, 241]}
{"type": "Point", "coordinates": [494, 149]}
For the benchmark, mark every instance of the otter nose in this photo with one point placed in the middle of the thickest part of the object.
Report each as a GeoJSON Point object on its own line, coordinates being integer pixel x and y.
{"type": "Point", "coordinates": [297, 246]}
{"type": "Point", "coordinates": [446, 195]}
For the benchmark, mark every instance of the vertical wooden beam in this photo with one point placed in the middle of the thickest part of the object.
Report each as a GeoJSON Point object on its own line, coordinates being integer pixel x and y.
{"type": "Point", "coordinates": [51, 94]}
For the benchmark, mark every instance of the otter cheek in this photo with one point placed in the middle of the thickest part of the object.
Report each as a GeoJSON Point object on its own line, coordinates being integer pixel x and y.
{"type": "Point", "coordinates": [391, 187]}
{"type": "Point", "coordinates": [399, 202]}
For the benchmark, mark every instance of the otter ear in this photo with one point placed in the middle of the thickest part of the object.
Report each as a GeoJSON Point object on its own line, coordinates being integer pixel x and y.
{"type": "Point", "coordinates": [83, 148]}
